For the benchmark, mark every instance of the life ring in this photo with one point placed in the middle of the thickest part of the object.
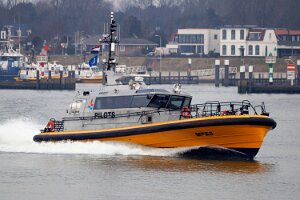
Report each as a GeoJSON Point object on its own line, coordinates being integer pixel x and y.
{"type": "Point", "coordinates": [185, 112]}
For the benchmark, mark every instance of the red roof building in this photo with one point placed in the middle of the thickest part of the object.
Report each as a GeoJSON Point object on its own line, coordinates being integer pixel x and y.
{"type": "Point", "coordinates": [288, 42]}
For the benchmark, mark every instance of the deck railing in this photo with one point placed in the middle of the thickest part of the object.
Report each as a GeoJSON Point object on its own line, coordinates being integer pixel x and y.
{"type": "Point", "coordinates": [208, 109]}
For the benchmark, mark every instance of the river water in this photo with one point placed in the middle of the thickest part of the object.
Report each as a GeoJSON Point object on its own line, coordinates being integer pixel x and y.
{"type": "Point", "coordinates": [121, 171]}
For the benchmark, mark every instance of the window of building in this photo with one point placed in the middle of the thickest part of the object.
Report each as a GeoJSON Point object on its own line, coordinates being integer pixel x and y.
{"type": "Point", "coordinates": [293, 38]}
{"type": "Point", "coordinates": [224, 34]}
{"type": "Point", "coordinates": [215, 36]}
{"type": "Point", "coordinates": [3, 35]}
{"type": "Point", "coordinates": [194, 40]}
{"type": "Point", "coordinates": [224, 50]}
{"type": "Point", "coordinates": [242, 34]}
{"type": "Point", "coordinates": [122, 48]}
{"type": "Point", "coordinates": [233, 34]}
{"type": "Point", "coordinates": [190, 39]}
{"type": "Point", "coordinates": [200, 49]}
{"type": "Point", "coordinates": [254, 36]}
{"type": "Point", "coordinates": [284, 38]}
{"type": "Point", "coordinates": [257, 50]}
{"type": "Point", "coordinates": [232, 49]}
{"type": "Point", "coordinates": [250, 50]}
{"type": "Point", "coordinates": [187, 48]}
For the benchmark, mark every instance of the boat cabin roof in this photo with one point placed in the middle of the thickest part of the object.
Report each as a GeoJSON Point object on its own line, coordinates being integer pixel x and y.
{"type": "Point", "coordinates": [155, 98]}
{"type": "Point", "coordinates": [117, 92]}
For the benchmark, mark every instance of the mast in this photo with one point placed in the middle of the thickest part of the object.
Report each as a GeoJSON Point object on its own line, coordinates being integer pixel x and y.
{"type": "Point", "coordinates": [111, 40]}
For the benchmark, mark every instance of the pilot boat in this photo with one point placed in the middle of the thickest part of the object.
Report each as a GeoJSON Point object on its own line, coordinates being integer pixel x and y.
{"type": "Point", "coordinates": [159, 118]}
{"type": "Point", "coordinates": [163, 119]}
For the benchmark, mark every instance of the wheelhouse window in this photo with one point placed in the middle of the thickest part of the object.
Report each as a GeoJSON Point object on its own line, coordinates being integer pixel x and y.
{"type": "Point", "coordinates": [159, 101]}
{"type": "Point", "coordinates": [187, 101]}
{"type": "Point", "coordinates": [112, 102]}
{"type": "Point", "coordinates": [140, 101]}
{"type": "Point", "coordinates": [176, 102]}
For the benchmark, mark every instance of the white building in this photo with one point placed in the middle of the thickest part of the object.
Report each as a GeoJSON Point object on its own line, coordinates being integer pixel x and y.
{"type": "Point", "coordinates": [247, 41]}
{"type": "Point", "coordinates": [195, 41]}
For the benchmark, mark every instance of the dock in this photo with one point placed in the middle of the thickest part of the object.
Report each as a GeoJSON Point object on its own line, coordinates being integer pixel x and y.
{"type": "Point", "coordinates": [278, 86]}
{"type": "Point", "coordinates": [61, 83]}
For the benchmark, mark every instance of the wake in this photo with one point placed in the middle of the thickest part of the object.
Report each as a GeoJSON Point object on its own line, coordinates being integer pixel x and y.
{"type": "Point", "coordinates": [16, 136]}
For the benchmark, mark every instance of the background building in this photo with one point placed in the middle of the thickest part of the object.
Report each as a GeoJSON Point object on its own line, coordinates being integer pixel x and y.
{"type": "Point", "coordinates": [247, 41]}
{"type": "Point", "coordinates": [194, 41]}
{"type": "Point", "coordinates": [288, 42]}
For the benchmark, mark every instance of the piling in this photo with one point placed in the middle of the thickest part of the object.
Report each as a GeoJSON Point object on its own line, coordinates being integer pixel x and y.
{"type": "Point", "coordinates": [217, 73]}
{"type": "Point", "coordinates": [226, 73]}
{"type": "Point", "coordinates": [60, 79]}
{"type": "Point", "coordinates": [243, 86]}
{"type": "Point", "coordinates": [37, 79]}
{"type": "Point", "coordinates": [298, 71]}
{"type": "Point", "coordinates": [250, 82]}
{"type": "Point", "coordinates": [49, 75]}
{"type": "Point", "coordinates": [160, 77]}
{"type": "Point", "coordinates": [242, 72]}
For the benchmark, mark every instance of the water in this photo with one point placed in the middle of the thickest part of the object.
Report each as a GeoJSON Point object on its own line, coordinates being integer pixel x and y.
{"type": "Point", "coordinates": [121, 171]}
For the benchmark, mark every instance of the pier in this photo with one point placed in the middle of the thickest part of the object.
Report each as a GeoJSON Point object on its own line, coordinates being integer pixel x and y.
{"type": "Point", "coordinates": [61, 83]}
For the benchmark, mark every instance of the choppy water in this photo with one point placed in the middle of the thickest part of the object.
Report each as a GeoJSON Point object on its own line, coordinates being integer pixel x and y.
{"type": "Point", "coordinates": [121, 171]}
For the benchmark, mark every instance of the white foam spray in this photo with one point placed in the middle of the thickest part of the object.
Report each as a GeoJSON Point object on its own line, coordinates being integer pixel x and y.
{"type": "Point", "coordinates": [17, 136]}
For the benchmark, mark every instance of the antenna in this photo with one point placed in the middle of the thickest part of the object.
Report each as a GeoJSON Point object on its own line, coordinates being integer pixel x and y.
{"type": "Point", "coordinates": [111, 39]}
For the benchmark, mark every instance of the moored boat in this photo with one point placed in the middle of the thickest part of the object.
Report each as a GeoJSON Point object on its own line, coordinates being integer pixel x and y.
{"type": "Point", "coordinates": [11, 62]}
{"type": "Point", "coordinates": [88, 74]}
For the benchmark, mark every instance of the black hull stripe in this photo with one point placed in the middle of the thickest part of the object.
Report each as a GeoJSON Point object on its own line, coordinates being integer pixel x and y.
{"type": "Point", "coordinates": [159, 128]}
{"type": "Point", "coordinates": [223, 154]}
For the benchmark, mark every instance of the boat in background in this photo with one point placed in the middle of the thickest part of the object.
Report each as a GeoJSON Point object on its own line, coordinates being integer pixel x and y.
{"type": "Point", "coordinates": [130, 74]}
{"type": "Point", "coordinates": [11, 62]}
{"type": "Point", "coordinates": [45, 69]}
{"type": "Point", "coordinates": [88, 74]}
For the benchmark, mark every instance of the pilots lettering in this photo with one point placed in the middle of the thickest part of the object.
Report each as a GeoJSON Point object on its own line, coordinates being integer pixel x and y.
{"type": "Point", "coordinates": [105, 115]}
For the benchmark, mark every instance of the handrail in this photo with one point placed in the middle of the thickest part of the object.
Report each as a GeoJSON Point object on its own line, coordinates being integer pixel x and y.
{"type": "Point", "coordinates": [216, 108]}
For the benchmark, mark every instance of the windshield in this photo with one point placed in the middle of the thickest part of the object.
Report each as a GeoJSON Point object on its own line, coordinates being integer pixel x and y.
{"type": "Point", "coordinates": [159, 101]}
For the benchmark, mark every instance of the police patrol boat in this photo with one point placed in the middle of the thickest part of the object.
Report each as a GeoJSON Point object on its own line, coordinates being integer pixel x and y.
{"type": "Point", "coordinates": [159, 118]}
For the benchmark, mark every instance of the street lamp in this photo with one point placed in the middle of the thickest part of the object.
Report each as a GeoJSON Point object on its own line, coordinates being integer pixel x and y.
{"type": "Point", "coordinates": [159, 51]}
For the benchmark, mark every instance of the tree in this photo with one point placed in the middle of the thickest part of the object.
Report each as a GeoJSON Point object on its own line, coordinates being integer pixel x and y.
{"type": "Point", "coordinates": [132, 27]}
